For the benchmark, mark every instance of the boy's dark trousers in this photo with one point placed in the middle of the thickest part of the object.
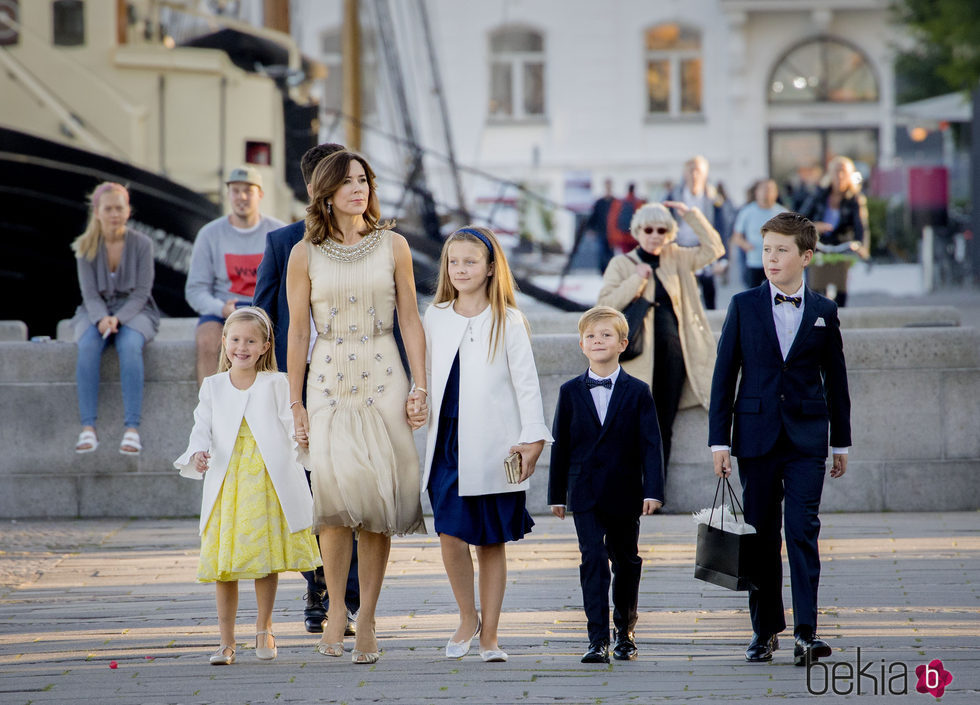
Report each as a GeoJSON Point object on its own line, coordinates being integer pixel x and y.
{"type": "Point", "coordinates": [783, 475]}
{"type": "Point", "coordinates": [606, 538]}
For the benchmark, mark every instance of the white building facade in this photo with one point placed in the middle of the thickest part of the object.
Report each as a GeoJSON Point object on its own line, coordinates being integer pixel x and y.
{"type": "Point", "coordinates": [559, 95]}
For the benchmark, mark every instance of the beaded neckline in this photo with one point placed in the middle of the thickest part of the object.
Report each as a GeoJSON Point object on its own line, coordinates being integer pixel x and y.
{"type": "Point", "coordinates": [351, 253]}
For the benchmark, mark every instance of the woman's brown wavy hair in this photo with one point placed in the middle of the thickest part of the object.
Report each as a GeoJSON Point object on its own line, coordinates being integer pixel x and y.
{"type": "Point", "coordinates": [327, 178]}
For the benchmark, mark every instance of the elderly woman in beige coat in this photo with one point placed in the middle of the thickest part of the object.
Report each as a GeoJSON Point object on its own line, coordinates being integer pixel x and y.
{"type": "Point", "coordinates": [678, 348]}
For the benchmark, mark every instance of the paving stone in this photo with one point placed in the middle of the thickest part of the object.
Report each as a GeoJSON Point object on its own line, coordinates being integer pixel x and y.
{"type": "Point", "coordinates": [77, 595]}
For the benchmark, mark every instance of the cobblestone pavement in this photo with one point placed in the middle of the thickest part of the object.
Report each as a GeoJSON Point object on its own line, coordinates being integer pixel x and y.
{"type": "Point", "coordinates": [78, 596]}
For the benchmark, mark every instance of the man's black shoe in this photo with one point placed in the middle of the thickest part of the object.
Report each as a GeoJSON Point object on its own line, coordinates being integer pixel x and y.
{"type": "Point", "coordinates": [314, 614]}
{"type": "Point", "coordinates": [761, 647]}
{"type": "Point", "coordinates": [598, 653]}
{"type": "Point", "coordinates": [809, 648]}
{"type": "Point", "coordinates": [625, 649]}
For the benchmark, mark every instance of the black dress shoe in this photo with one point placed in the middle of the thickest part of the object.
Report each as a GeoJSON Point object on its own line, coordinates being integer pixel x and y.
{"type": "Point", "coordinates": [625, 649]}
{"type": "Point", "coordinates": [598, 653]}
{"type": "Point", "coordinates": [314, 614]}
{"type": "Point", "coordinates": [809, 648]}
{"type": "Point", "coordinates": [761, 647]}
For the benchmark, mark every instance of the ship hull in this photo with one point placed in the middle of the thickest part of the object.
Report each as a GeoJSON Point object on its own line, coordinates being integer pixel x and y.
{"type": "Point", "coordinates": [43, 191]}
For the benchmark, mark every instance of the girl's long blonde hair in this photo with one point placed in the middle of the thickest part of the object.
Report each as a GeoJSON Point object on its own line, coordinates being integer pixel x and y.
{"type": "Point", "coordinates": [87, 244]}
{"type": "Point", "coordinates": [500, 281]}
{"type": "Point", "coordinates": [260, 319]}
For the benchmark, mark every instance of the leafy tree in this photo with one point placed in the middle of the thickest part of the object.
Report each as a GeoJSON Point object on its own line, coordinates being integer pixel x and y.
{"type": "Point", "coordinates": [947, 55]}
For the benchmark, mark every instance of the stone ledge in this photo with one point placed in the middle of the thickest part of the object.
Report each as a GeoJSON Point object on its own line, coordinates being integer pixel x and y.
{"type": "Point", "coordinates": [915, 416]}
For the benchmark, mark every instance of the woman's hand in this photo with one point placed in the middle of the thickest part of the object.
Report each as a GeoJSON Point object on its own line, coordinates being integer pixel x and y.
{"type": "Point", "coordinates": [530, 452]}
{"type": "Point", "coordinates": [108, 325]}
{"type": "Point", "coordinates": [644, 270]}
{"type": "Point", "coordinates": [200, 460]}
{"type": "Point", "coordinates": [416, 410]}
{"type": "Point", "coordinates": [679, 206]}
{"type": "Point", "coordinates": [301, 424]}
{"type": "Point", "coordinates": [823, 227]}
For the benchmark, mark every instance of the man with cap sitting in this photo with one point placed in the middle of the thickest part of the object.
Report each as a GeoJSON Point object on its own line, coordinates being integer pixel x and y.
{"type": "Point", "coordinates": [224, 264]}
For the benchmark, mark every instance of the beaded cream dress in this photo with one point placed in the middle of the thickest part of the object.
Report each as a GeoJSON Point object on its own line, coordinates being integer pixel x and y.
{"type": "Point", "coordinates": [363, 462]}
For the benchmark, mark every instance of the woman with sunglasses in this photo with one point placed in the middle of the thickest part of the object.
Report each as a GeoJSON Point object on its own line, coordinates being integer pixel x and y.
{"type": "Point", "coordinates": [678, 353]}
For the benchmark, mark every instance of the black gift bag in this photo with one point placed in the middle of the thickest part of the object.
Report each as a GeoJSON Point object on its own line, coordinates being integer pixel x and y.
{"type": "Point", "coordinates": [723, 558]}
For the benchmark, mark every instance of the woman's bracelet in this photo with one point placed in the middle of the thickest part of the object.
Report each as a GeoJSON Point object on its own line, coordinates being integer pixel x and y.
{"type": "Point", "coordinates": [421, 389]}
{"type": "Point", "coordinates": [294, 403]}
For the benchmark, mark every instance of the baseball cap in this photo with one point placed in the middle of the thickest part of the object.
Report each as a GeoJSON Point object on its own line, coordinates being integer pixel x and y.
{"type": "Point", "coordinates": [245, 175]}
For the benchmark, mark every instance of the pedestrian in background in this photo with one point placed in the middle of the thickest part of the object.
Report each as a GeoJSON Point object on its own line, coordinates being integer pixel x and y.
{"type": "Point", "coordinates": [840, 213]}
{"type": "Point", "coordinates": [678, 347]}
{"type": "Point", "coordinates": [696, 192]}
{"type": "Point", "coordinates": [270, 295]}
{"type": "Point", "coordinates": [225, 262]}
{"type": "Point", "coordinates": [747, 232]}
{"type": "Point", "coordinates": [115, 275]}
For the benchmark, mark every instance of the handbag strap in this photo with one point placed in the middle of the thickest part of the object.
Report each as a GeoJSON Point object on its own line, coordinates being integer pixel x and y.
{"type": "Point", "coordinates": [734, 501]}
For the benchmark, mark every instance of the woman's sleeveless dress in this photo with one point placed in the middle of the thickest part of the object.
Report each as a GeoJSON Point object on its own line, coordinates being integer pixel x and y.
{"type": "Point", "coordinates": [363, 461]}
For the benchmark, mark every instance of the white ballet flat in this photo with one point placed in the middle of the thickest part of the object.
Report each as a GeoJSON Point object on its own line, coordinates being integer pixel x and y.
{"type": "Point", "coordinates": [459, 649]}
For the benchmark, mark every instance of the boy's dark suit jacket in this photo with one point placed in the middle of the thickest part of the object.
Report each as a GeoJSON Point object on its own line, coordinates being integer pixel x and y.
{"type": "Point", "coordinates": [611, 467]}
{"type": "Point", "coordinates": [803, 394]}
{"type": "Point", "coordinates": [270, 284]}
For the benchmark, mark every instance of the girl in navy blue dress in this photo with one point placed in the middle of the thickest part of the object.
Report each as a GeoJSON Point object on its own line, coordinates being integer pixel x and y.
{"type": "Point", "coordinates": [484, 405]}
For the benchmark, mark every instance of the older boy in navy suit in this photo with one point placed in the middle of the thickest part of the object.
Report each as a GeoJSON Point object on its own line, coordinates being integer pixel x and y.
{"type": "Point", "coordinates": [607, 468]}
{"type": "Point", "coordinates": [785, 341]}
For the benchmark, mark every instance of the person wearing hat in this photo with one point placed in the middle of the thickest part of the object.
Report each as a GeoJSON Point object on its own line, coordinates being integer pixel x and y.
{"type": "Point", "coordinates": [225, 262]}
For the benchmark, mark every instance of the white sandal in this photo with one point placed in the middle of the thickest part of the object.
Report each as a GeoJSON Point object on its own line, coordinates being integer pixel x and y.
{"type": "Point", "coordinates": [86, 438]}
{"type": "Point", "coordinates": [130, 439]}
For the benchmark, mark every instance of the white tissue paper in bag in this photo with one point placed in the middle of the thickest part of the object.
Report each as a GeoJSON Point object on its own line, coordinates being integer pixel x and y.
{"type": "Point", "coordinates": [730, 524]}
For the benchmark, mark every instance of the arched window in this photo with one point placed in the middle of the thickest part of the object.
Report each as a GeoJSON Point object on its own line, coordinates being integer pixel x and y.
{"type": "Point", "coordinates": [673, 53]}
{"type": "Point", "coordinates": [823, 70]}
{"type": "Point", "coordinates": [516, 74]}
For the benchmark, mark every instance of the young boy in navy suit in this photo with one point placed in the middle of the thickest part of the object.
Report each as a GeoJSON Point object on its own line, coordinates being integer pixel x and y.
{"type": "Point", "coordinates": [785, 341]}
{"type": "Point", "coordinates": [607, 469]}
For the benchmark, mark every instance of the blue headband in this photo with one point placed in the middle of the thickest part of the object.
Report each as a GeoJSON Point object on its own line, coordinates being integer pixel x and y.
{"type": "Point", "coordinates": [480, 236]}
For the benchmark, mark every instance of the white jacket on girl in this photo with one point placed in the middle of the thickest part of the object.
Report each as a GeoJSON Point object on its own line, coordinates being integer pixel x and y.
{"type": "Point", "coordinates": [265, 406]}
{"type": "Point", "coordinates": [499, 399]}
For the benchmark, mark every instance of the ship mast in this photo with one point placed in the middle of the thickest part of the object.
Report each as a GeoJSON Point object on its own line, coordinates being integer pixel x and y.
{"type": "Point", "coordinates": [351, 56]}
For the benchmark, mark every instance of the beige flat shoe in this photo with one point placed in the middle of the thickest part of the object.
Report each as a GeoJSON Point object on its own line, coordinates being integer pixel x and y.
{"type": "Point", "coordinates": [331, 649]}
{"type": "Point", "coordinates": [264, 653]}
{"type": "Point", "coordinates": [220, 658]}
{"type": "Point", "coordinates": [365, 657]}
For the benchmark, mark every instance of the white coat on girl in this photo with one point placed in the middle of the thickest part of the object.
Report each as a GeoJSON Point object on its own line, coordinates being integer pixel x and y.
{"type": "Point", "coordinates": [217, 418]}
{"type": "Point", "coordinates": [499, 398]}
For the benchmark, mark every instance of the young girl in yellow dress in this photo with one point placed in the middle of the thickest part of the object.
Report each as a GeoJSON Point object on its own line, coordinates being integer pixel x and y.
{"type": "Point", "coordinates": [256, 509]}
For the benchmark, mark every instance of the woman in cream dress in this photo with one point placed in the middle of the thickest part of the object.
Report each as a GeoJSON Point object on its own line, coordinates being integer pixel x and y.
{"type": "Point", "coordinates": [353, 274]}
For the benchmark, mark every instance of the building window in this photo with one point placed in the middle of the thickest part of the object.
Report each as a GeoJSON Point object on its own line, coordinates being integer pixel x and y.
{"type": "Point", "coordinates": [517, 88]}
{"type": "Point", "coordinates": [333, 85]}
{"type": "Point", "coordinates": [823, 70]}
{"type": "Point", "coordinates": [673, 54]}
{"type": "Point", "coordinates": [69, 23]}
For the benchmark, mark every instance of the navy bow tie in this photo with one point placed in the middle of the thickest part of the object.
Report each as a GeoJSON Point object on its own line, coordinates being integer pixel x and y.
{"type": "Point", "coordinates": [590, 383]}
{"type": "Point", "coordinates": [783, 299]}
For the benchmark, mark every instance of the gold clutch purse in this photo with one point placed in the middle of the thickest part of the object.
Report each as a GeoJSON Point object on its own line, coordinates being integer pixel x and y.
{"type": "Point", "coordinates": [512, 467]}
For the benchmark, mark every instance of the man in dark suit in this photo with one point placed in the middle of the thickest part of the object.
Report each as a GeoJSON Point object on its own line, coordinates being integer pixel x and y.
{"type": "Point", "coordinates": [270, 295]}
{"type": "Point", "coordinates": [607, 469]}
{"type": "Point", "coordinates": [785, 341]}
